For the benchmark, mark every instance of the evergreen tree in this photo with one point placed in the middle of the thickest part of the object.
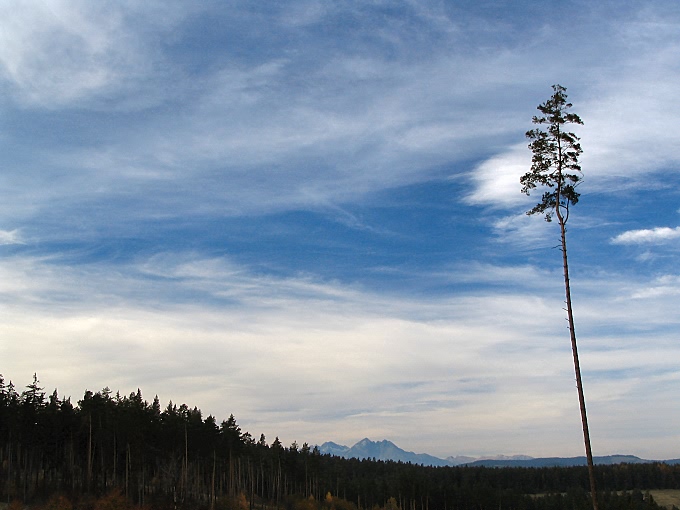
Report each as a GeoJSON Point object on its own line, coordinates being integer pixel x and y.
{"type": "Point", "coordinates": [555, 166]}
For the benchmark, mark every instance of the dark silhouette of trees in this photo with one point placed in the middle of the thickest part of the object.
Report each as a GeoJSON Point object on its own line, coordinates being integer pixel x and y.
{"type": "Point", "coordinates": [555, 166]}
{"type": "Point", "coordinates": [113, 451]}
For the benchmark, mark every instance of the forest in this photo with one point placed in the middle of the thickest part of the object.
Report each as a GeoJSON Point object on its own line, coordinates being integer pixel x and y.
{"type": "Point", "coordinates": [109, 451]}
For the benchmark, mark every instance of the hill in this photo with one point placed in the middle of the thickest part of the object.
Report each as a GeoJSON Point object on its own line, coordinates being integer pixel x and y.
{"type": "Point", "coordinates": [558, 461]}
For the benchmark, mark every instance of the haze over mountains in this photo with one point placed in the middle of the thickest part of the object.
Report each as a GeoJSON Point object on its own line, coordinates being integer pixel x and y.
{"type": "Point", "coordinates": [386, 450]}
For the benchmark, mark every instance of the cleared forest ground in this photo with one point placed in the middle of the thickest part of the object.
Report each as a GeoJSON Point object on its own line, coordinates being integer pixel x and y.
{"type": "Point", "coordinates": [666, 497]}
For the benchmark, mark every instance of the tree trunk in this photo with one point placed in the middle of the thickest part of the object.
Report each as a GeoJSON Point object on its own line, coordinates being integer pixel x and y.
{"type": "Point", "coordinates": [186, 464]}
{"type": "Point", "coordinates": [127, 471]}
{"type": "Point", "coordinates": [212, 491]}
{"type": "Point", "coordinates": [89, 455]}
{"type": "Point", "coordinates": [577, 367]}
{"type": "Point", "coordinates": [9, 467]}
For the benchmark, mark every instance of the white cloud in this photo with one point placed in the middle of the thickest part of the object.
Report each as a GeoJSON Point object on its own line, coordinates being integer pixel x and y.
{"type": "Point", "coordinates": [497, 179]}
{"type": "Point", "coordinates": [647, 236]}
{"type": "Point", "coordinates": [526, 232]}
{"type": "Point", "coordinates": [56, 53]}
{"type": "Point", "coordinates": [10, 237]}
{"type": "Point", "coordinates": [663, 286]}
{"type": "Point", "coordinates": [629, 129]}
{"type": "Point", "coordinates": [308, 12]}
{"type": "Point", "coordinates": [201, 328]}
{"type": "Point", "coordinates": [247, 142]}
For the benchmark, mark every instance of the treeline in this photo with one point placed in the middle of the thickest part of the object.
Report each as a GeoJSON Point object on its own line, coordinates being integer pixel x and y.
{"type": "Point", "coordinates": [109, 447]}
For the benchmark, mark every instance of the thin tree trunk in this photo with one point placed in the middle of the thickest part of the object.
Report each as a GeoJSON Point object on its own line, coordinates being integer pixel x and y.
{"type": "Point", "coordinates": [89, 455]}
{"type": "Point", "coordinates": [9, 466]}
{"type": "Point", "coordinates": [577, 367]}
{"type": "Point", "coordinates": [186, 464]}
{"type": "Point", "coordinates": [231, 490]}
{"type": "Point", "coordinates": [127, 471]}
{"type": "Point", "coordinates": [115, 456]}
{"type": "Point", "coordinates": [212, 492]}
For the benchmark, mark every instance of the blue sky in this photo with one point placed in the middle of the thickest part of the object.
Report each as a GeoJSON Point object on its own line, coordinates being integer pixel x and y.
{"type": "Point", "coordinates": [308, 214]}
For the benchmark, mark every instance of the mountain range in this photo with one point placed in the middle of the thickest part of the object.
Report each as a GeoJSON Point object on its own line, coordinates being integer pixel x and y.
{"type": "Point", "coordinates": [387, 450]}
{"type": "Point", "coordinates": [381, 450]}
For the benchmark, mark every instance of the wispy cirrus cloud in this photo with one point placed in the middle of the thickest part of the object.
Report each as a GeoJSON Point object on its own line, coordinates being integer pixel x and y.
{"type": "Point", "coordinates": [358, 123]}
{"type": "Point", "coordinates": [55, 54]}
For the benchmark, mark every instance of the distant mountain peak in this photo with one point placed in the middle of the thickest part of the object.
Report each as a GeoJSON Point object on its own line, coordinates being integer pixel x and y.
{"type": "Point", "coordinates": [380, 450]}
{"type": "Point", "coordinates": [333, 449]}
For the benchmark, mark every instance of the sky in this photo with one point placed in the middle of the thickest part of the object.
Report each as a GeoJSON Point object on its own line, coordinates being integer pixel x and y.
{"type": "Point", "coordinates": [308, 214]}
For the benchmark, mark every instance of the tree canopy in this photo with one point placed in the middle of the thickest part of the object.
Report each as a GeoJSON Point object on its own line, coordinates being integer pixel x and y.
{"type": "Point", "coordinates": [554, 162]}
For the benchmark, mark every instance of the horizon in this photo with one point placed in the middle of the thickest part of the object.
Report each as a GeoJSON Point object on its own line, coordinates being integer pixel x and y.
{"type": "Point", "coordinates": [308, 215]}
{"type": "Point", "coordinates": [486, 457]}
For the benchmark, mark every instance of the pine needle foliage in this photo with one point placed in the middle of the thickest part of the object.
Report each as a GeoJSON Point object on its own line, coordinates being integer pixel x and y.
{"type": "Point", "coordinates": [555, 158]}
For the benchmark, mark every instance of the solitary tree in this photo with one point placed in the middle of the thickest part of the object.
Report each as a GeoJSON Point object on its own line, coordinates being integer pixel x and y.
{"type": "Point", "coordinates": [555, 167]}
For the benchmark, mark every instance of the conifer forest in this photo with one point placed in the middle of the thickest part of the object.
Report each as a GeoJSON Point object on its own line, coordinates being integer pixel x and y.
{"type": "Point", "coordinates": [108, 451]}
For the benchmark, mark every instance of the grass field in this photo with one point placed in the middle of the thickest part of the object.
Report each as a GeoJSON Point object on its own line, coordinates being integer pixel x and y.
{"type": "Point", "coordinates": [666, 497]}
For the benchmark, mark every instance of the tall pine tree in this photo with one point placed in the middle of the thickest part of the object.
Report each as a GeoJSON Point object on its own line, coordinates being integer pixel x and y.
{"type": "Point", "coordinates": [555, 167]}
